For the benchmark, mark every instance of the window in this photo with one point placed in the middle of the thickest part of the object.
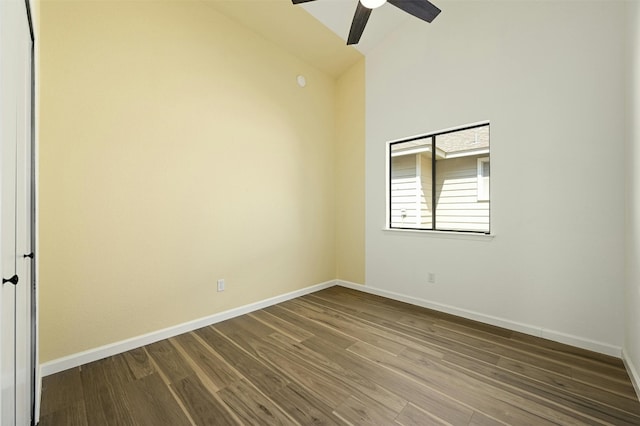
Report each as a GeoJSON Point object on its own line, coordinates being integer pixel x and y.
{"type": "Point", "coordinates": [440, 181]}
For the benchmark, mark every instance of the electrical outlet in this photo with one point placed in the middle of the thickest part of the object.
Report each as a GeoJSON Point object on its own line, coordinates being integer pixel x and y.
{"type": "Point", "coordinates": [221, 285]}
{"type": "Point", "coordinates": [431, 278]}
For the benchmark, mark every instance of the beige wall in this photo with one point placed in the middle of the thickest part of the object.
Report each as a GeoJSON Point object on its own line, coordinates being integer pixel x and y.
{"type": "Point", "coordinates": [176, 149]}
{"type": "Point", "coordinates": [350, 175]}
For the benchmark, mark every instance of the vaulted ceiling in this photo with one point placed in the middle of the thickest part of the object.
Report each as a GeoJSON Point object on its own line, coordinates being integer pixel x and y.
{"type": "Point", "coordinates": [314, 31]}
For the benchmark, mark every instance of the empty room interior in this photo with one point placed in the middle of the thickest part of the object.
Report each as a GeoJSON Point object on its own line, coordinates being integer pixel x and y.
{"type": "Point", "coordinates": [239, 218]}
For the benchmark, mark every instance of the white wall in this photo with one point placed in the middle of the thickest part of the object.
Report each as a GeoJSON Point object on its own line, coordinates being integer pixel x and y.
{"type": "Point", "coordinates": [632, 338]}
{"type": "Point", "coordinates": [550, 78]}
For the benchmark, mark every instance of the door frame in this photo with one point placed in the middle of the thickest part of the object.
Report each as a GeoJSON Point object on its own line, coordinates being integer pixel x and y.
{"type": "Point", "coordinates": [34, 393]}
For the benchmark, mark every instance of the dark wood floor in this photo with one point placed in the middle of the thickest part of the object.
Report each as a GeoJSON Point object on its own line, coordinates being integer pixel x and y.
{"type": "Point", "coordinates": [344, 357]}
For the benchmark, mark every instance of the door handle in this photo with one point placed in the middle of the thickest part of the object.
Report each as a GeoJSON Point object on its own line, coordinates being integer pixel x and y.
{"type": "Point", "coordinates": [30, 255]}
{"type": "Point", "coordinates": [13, 280]}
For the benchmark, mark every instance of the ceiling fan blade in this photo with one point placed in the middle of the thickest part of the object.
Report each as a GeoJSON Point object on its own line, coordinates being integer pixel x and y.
{"type": "Point", "coordinates": [422, 9]}
{"type": "Point", "coordinates": [300, 1]}
{"type": "Point", "coordinates": [357, 25]}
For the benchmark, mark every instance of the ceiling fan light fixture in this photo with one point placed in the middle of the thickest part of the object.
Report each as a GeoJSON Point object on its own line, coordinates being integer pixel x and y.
{"type": "Point", "coordinates": [372, 4]}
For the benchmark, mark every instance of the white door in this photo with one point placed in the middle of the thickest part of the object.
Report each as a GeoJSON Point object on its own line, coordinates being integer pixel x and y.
{"type": "Point", "coordinates": [15, 184]}
{"type": "Point", "coordinates": [23, 238]}
{"type": "Point", "coordinates": [8, 127]}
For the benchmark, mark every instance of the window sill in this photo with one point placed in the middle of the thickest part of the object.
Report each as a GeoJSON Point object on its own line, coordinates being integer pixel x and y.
{"type": "Point", "coordinates": [443, 234]}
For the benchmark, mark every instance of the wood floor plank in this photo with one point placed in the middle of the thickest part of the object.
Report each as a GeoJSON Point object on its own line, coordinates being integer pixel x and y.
{"type": "Point", "coordinates": [379, 308]}
{"type": "Point", "coordinates": [310, 377]}
{"type": "Point", "coordinates": [422, 337]}
{"type": "Point", "coordinates": [307, 375]}
{"type": "Point", "coordinates": [355, 384]}
{"type": "Point", "coordinates": [484, 394]}
{"type": "Point", "coordinates": [212, 364]}
{"type": "Point", "coordinates": [204, 407]}
{"type": "Point", "coordinates": [524, 357]}
{"type": "Point", "coordinates": [349, 304]}
{"type": "Point", "coordinates": [138, 363]}
{"type": "Point", "coordinates": [304, 407]}
{"type": "Point", "coordinates": [479, 419]}
{"type": "Point", "coordinates": [415, 416]}
{"type": "Point", "coordinates": [283, 327]}
{"type": "Point", "coordinates": [313, 327]}
{"type": "Point", "coordinates": [151, 403]}
{"type": "Point", "coordinates": [357, 412]}
{"type": "Point", "coordinates": [482, 346]}
{"type": "Point", "coordinates": [70, 415]}
{"type": "Point", "coordinates": [594, 393]}
{"type": "Point", "coordinates": [340, 356]}
{"type": "Point", "coordinates": [474, 393]}
{"type": "Point", "coordinates": [347, 325]}
{"type": "Point", "coordinates": [617, 384]}
{"type": "Point", "coordinates": [104, 394]}
{"type": "Point", "coordinates": [262, 376]}
{"type": "Point", "coordinates": [570, 360]}
{"type": "Point", "coordinates": [172, 364]}
{"type": "Point", "coordinates": [387, 308]}
{"type": "Point", "coordinates": [382, 330]}
{"type": "Point", "coordinates": [252, 407]}
{"type": "Point", "coordinates": [545, 393]}
{"type": "Point", "coordinates": [440, 404]}
{"type": "Point", "coordinates": [65, 390]}
{"type": "Point", "coordinates": [561, 348]}
{"type": "Point", "coordinates": [244, 331]}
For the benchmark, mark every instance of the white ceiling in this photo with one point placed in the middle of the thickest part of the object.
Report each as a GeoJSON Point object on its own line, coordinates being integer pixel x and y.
{"type": "Point", "coordinates": [315, 31]}
{"type": "Point", "coordinates": [337, 15]}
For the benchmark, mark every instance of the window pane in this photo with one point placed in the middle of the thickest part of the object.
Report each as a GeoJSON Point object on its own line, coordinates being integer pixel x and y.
{"type": "Point", "coordinates": [485, 169]}
{"type": "Point", "coordinates": [460, 207]}
{"type": "Point", "coordinates": [411, 184]}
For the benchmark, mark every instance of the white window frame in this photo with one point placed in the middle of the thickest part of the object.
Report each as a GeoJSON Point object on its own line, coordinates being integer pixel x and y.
{"type": "Point", "coordinates": [434, 230]}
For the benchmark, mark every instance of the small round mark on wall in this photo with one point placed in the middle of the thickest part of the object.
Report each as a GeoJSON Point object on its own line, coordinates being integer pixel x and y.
{"type": "Point", "coordinates": [302, 81]}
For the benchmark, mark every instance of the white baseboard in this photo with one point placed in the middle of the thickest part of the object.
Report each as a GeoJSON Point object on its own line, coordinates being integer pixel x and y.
{"type": "Point", "coordinates": [634, 374]}
{"type": "Point", "coordinates": [556, 336]}
{"type": "Point", "coordinates": [352, 285]}
{"type": "Point", "coordinates": [75, 360]}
